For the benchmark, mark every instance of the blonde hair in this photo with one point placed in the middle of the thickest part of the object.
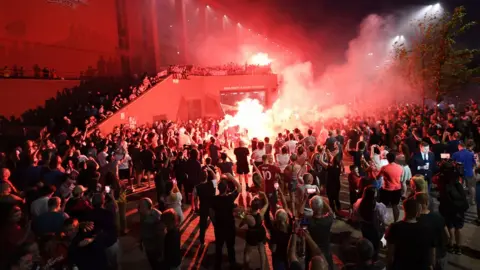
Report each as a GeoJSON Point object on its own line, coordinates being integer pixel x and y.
{"type": "Point", "coordinates": [419, 183]}
{"type": "Point", "coordinates": [422, 198]}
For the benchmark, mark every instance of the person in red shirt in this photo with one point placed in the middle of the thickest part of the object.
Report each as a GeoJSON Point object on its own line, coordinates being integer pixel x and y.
{"type": "Point", "coordinates": [270, 176]}
{"type": "Point", "coordinates": [391, 191]}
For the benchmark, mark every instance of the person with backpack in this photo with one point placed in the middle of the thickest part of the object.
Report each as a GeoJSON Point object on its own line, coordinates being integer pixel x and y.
{"type": "Point", "coordinates": [453, 204]}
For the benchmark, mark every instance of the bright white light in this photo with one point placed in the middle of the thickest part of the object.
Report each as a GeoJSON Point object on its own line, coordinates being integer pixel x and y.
{"type": "Point", "coordinates": [225, 16]}
{"type": "Point", "coordinates": [370, 54]}
{"type": "Point", "coordinates": [239, 24]}
{"type": "Point", "coordinates": [178, 52]}
{"type": "Point", "coordinates": [437, 5]}
{"type": "Point", "coordinates": [208, 6]}
{"type": "Point", "coordinates": [260, 59]}
{"type": "Point", "coordinates": [171, 26]}
{"type": "Point", "coordinates": [402, 37]}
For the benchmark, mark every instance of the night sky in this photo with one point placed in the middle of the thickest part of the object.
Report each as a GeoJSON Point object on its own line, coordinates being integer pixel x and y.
{"type": "Point", "coordinates": [320, 26]}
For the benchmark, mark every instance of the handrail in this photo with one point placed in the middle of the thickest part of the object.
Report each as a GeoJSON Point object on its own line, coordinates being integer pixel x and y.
{"type": "Point", "coordinates": [91, 129]}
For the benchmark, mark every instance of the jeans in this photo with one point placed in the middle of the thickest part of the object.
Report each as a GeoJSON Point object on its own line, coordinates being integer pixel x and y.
{"type": "Point", "coordinates": [122, 213]}
{"type": "Point", "coordinates": [279, 263]}
{"type": "Point", "coordinates": [153, 258]}
{"type": "Point", "coordinates": [113, 256]}
{"type": "Point", "coordinates": [224, 236]}
{"type": "Point", "coordinates": [204, 215]}
{"type": "Point", "coordinates": [440, 263]}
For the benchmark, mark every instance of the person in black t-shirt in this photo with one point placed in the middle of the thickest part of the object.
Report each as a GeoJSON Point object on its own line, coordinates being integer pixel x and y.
{"type": "Point", "coordinates": [222, 208]}
{"type": "Point", "coordinates": [437, 148]}
{"type": "Point", "coordinates": [204, 192]}
{"type": "Point", "coordinates": [436, 224]}
{"type": "Point", "coordinates": [193, 169]}
{"type": "Point", "coordinates": [208, 164]}
{"type": "Point", "coordinates": [224, 165]}
{"type": "Point", "coordinates": [148, 161]}
{"type": "Point", "coordinates": [213, 150]}
{"type": "Point", "coordinates": [410, 244]}
{"type": "Point", "coordinates": [172, 255]}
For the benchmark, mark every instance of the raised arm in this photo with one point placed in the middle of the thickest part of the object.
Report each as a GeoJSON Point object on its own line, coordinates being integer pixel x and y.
{"type": "Point", "coordinates": [292, 248]}
{"type": "Point", "coordinates": [265, 203]}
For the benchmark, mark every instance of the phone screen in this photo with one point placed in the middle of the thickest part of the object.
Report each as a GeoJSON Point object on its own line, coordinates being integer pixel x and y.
{"type": "Point", "coordinates": [311, 190]}
{"type": "Point", "coordinates": [275, 185]}
{"type": "Point", "coordinates": [107, 189]}
{"type": "Point", "coordinates": [445, 156]}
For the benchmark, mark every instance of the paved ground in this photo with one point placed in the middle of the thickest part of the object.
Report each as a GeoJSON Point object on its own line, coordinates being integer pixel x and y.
{"type": "Point", "coordinates": [195, 257]}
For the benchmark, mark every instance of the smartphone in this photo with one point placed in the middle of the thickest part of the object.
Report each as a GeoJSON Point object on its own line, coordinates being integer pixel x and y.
{"type": "Point", "coordinates": [445, 156]}
{"type": "Point", "coordinates": [174, 181]}
{"type": "Point", "coordinates": [107, 189]}
{"type": "Point", "coordinates": [311, 190]}
{"type": "Point", "coordinates": [304, 222]}
{"type": "Point", "coordinates": [275, 186]}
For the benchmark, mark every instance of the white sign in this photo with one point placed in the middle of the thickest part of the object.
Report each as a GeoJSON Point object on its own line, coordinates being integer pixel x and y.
{"type": "Point", "coordinates": [68, 3]}
{"type": "Point", "coordinates": [244, 87]}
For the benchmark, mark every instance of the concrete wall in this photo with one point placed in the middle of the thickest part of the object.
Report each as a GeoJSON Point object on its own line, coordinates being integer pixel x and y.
{"type": "Point", "coordinates": [18, 96]}
{"type": "Point", "coordinates": [54, 34]}
{"type": "Point", "coordinates": [186, 99]}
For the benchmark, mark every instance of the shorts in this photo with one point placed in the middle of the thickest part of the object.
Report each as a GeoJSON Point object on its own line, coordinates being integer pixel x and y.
{"type": "Point", "coordinates": [124, 174]}
{"type": "Point", "coordinates": [455, 220]}
{"type": "Point", "coordinates": [390, 197]}
{"type": "Point", "coordinates": [243, 169]}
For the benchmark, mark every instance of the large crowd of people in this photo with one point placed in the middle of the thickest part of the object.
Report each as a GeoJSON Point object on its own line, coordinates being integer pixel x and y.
{"type": "Point", "coordinates": [182, 72]}
{"type": "Point", "coordinates": [64, 190]}
{"type": "Point", "coordinates": [63, 195]}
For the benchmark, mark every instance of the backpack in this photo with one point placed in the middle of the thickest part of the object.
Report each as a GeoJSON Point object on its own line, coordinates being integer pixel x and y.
{"type": "Point", "coordinates": [456, 197]}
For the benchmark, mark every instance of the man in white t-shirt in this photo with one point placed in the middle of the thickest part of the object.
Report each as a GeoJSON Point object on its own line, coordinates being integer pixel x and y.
{"type": "Point", "coordinates": [124, 165]}
{"type": "Point", "coordinates": [102, 157]}
{"type": "Point", "coordinates": [291, 144]}
{"type": "Point", "coordinates": [40, 205]}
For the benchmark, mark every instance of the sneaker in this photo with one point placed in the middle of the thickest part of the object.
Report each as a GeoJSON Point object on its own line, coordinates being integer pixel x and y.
{"type": "Point", "coordinates": [458, 250]}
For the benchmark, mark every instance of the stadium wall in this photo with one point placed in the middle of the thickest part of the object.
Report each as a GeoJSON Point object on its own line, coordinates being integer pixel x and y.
{"type": "Point", "coordinates": [198, 96]}
{"type": "Point", "coordinates": [18, 96]}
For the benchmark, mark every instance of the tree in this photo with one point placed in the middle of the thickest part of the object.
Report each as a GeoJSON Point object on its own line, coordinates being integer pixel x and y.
{"type": "Point", "coordinates": [432, 61]}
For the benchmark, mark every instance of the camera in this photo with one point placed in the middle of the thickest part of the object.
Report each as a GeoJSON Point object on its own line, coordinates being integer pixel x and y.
{"type": "Point", "coordinates": [451, 167]}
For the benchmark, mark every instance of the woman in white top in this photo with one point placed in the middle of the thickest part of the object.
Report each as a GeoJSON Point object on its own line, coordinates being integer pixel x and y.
{"type": "Point", "coordinates": [258, 154]}
{"type": "Point", "coordinates": [283, 159]}
{"type": "Point", "coordinates": [406, 174]}
{"type": "Point", "coordinates": [174, 200]}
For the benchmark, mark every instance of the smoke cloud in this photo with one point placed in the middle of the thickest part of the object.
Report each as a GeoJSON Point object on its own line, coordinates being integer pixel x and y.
{"type": "Point", "coordinates": [365, 82]}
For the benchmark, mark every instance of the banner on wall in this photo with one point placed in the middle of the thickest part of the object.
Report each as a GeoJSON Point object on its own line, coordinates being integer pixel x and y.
{"type": "Point", "coordinates": [244, 87]}
{"type": "Point", "coordinates": [69, 3]}
{"type": "Point", "coordinates": [132, 122]}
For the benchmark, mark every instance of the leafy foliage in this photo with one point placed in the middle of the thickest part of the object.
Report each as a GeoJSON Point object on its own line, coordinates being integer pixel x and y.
{"type": "Point", "coordinates": [433, 62]}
